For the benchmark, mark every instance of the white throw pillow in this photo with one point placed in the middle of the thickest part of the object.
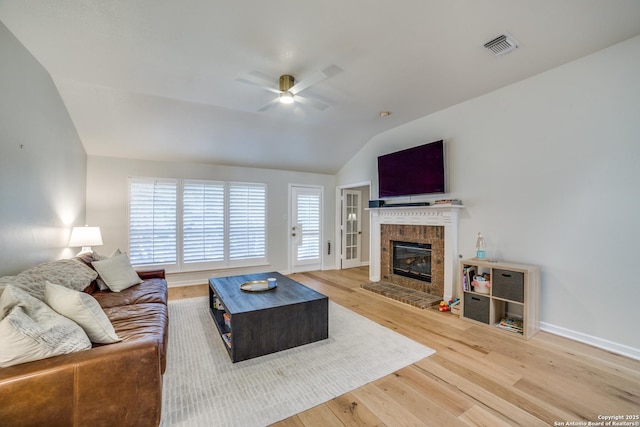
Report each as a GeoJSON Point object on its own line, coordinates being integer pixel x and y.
{"type": "Point", "coordinates": [117, 272]}
{"type": "Point", "coordinates": [31, 330]}
{"type": "Point", "coordinates": [99, 257]}
{"type": "Point", "coordinates": [83, 309]}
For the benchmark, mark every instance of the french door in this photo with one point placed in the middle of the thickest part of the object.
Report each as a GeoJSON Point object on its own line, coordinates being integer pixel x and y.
{"type": "Point", "coordinates": [305, 229]}
{"type": "Point", "coordinates": [351, 228]}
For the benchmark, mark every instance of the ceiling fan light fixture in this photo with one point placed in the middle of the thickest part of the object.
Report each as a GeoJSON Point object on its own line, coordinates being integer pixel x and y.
{"type": "Point", "coordinates": [288, 91]}
{"type": "Point", "coordinates": [286, 98]}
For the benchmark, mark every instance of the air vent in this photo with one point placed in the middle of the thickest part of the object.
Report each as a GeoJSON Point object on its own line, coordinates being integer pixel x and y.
{"type": "Point", "coordinates": [502, 44]}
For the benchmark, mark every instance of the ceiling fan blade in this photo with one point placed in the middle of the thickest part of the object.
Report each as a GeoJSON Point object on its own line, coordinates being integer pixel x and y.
{"type": "Point", "coordinates": [332, 70]}
{"type": "Point", "coordinates": [266, 79]}
{"type": "Point", "coordinates": [314, 78]}
{"type": "Point", "coordinates": [311, 102]}
{"type": "Point", "coordinates": [252, 83]}
{"type": "Point", "coordinates": [269, 104]}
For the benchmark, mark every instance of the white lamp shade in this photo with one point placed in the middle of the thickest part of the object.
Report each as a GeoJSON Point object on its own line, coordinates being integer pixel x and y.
{"type": "Point", "coordinates": [85, 237]}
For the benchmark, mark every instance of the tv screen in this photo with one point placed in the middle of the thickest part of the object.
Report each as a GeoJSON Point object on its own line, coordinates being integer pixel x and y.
{"type": "Point", "coordinates": [417, 170]}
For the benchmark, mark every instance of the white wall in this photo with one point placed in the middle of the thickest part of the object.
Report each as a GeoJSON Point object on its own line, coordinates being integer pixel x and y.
{"type": "Point", "coordinates": [548, 169]}
{"type": "Point", "coordinates": [42, 163]}
{"type": "Point", "coordinates": [107, 204]}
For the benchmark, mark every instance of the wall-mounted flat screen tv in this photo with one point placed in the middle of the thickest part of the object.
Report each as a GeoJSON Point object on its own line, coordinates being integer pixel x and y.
{"type": "Point", "coordinates": [416, 170]}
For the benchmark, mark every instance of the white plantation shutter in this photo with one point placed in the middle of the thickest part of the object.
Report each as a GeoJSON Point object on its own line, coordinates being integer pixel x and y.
{"type": "Point", "coordinates": [152, 221]}
{"type": "Point", "coordinates": [203, 221]}
{"type": "Point", "coordinates": [192, 225]}
{"type": "Point", "coordinates": [308, 218]}
{"type": "Point", "coordinates": [247, 221]}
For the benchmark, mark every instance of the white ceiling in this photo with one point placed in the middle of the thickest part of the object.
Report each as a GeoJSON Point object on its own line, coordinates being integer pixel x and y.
{"type": "Point", "coordinates": [156, 79]}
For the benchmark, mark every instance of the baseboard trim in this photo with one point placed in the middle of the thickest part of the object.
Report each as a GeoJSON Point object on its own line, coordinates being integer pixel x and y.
{"type": "Point", "coordinates": [611, 346]}
{"type": "Point", "coordinates": [190, 278]}
{"type": "Point", "coordinates": [180, 283]}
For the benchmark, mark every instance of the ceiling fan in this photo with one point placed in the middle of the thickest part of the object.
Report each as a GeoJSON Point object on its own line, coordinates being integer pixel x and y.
{"type": "Point", "coordinates": [288, 89]}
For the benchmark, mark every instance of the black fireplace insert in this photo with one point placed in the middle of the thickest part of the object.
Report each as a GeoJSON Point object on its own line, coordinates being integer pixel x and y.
{"type": "Point", "coordinates": [412, 260]}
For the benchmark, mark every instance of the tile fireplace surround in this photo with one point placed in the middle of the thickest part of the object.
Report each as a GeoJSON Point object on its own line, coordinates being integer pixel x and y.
{"type": "Point", "coordinates": [445, 216]}
{"type": "Point", "coordinates": [432, 235]}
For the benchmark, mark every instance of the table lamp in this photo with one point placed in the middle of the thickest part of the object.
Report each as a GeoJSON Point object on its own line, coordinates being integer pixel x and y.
{"type": "Point", "coordinates": [85, 237]}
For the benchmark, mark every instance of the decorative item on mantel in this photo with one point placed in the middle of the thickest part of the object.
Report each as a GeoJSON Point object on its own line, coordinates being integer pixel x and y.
{"type": "Point", "coordinates": [456, 202]}
{"type": "Point", "coordinates": [481, 246]}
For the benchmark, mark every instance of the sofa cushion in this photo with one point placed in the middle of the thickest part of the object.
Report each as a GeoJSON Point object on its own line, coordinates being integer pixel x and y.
{"type": "Point", "coordinates": [142, 321]}
{"type": "Point", "coordinates": [83, 309]}
{"type": "Point", "coordinates": [117, 272]}
{"type": "Point", "coordinates": [86, 258]}
{"type": "Point", "coordinates": [149, 291]}
{"type": "Point", "coordinates": [30, 330]}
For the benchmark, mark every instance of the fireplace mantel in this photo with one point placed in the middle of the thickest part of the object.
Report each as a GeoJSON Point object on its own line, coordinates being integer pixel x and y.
{"type": "Point", "coordinates": [439, 215]}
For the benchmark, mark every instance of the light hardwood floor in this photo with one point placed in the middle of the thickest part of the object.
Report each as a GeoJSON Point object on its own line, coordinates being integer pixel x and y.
{"type": "Point", "coordinates": [478, 376]}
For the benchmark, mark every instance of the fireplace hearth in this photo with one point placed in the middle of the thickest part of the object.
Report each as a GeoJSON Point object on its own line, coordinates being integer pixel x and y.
{"type": "Point", "coordinates": [412, 260]}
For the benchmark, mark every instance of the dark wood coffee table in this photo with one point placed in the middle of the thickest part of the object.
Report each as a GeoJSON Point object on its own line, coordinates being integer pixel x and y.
{"type": "Point", "coordinates": [260, 323]}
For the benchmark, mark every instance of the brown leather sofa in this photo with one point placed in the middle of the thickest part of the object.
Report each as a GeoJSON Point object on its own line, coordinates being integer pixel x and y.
{"type": "Point", "coordinates": [116, 384]}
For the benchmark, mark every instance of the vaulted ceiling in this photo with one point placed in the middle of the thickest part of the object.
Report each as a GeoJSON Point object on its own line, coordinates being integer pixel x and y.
{"type": "Point", "coordinates": [158, 79]}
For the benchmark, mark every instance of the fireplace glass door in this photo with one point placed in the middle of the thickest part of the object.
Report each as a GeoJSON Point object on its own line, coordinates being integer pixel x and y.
{"type": "Point", "coordinates": [412, 260]}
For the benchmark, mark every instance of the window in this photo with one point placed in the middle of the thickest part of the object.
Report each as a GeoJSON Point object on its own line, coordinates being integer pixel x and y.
{"type": "Point", "coordinates": [247, 221]}
{"type": "Point", "coordinates": [308, 220]}
{"type": "Point", "coordinates": [196, 224]}
{"type": "Point", "coordinates": [203, 221]}
{"type": "Point", "coordinates": [152, 222]}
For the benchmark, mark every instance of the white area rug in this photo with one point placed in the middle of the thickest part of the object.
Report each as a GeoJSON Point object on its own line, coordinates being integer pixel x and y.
{"type": "Point", "coordinates": [203, 388]}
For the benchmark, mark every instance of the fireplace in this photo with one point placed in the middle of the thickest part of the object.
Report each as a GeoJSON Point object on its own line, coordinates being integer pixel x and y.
{"type": "Point", "coordinates": [412, 257]}
{"type": "Point", "coordinates": [441, 230]}
{"type": "Point", "coordinates": [412, 260]}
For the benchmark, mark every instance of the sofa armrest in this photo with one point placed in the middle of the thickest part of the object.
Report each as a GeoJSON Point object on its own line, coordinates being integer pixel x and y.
{"type": "Point", "coordinates": [151, 274]}
{"type": "Point", "coordinates": [117, 384]}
